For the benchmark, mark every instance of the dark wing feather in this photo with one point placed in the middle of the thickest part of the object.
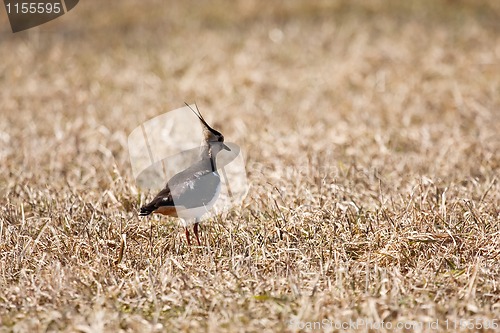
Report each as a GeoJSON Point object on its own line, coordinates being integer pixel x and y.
{"type": "Point", "coordinates": [189, 189]}
{"type": "Point", "coordinates": [163, 198]}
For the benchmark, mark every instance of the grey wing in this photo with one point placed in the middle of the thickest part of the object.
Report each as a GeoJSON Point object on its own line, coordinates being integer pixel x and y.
{"type": "Point", "coordinates": [196, 191]}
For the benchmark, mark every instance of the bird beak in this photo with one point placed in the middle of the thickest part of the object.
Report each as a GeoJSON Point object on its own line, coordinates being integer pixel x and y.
{"type": "Point", "coordinates": [226, 147]}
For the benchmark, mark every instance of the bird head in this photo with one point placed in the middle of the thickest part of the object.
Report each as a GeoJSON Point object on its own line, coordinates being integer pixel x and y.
{"type": "Point", "coordinates": [213, 138]}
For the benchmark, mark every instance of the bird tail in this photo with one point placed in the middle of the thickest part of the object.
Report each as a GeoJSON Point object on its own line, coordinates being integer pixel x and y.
{"type": "Point", "coordinates": [146, 210]}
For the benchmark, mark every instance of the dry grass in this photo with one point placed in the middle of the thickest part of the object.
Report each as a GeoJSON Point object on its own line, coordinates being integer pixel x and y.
{"type": "Point", "coordinates": [371, 132]}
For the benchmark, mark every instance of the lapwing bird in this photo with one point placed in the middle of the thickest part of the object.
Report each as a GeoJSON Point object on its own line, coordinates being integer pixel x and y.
{"type": "Point", "coordinates": [192, 192]}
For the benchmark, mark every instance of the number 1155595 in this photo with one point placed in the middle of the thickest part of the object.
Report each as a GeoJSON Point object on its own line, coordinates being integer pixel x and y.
{"type": "Point", "coordinates": [33, 8]}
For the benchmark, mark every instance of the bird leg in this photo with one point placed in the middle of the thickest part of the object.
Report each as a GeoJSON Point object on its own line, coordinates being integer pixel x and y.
{"type": "Point", "coordinates": [187, 236]}
{"type": "Point", "coordinates": [195, 229]}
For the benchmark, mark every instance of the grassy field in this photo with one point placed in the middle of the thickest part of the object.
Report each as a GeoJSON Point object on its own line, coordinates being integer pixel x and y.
{"type": "Point", "coordinates": [371, 137]}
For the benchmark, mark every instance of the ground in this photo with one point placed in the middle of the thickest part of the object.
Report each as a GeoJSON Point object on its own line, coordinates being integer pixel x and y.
{"type": "Point", "coordinates": [370, 132]}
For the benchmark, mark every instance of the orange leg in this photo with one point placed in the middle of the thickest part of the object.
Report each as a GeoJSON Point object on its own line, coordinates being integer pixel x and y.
{"type": "Point", "coordinates": [195, 229]}
{"type": "Point", "coordinates": [187, 236]}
